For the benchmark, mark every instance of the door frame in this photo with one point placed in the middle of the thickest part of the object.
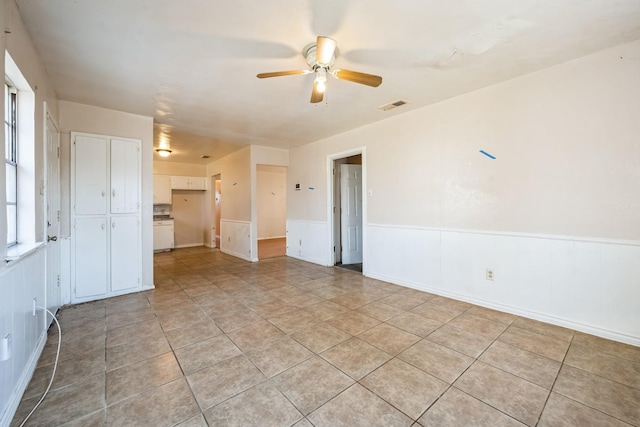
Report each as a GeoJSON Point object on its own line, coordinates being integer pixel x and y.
{"type": "Point", "coordinates": [331, 158]}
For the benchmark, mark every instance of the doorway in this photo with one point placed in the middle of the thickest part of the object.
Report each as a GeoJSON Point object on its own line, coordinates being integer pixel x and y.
{"type": "Point", "coordinates": [217, 210]}
{"type": "Point", "coordinates": [271, 198]}
{"type": "Point", "coordinates": [347, 212]}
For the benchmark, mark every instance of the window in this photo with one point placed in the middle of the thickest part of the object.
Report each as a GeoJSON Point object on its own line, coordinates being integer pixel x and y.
{"type": "Point", "coordinates": [11, 159]}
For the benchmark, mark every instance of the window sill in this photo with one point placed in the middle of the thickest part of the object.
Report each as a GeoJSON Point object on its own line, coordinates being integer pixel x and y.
{"type": "Point", "coordinates": [21, 250]}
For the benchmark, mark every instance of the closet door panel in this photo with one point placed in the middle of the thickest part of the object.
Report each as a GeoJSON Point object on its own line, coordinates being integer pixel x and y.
{"type": "Point", "coordinates": [91, 175]}
{"type": "Point", "coordinates": [125, 252]}
{"type": "Point", "coordinates": [125, 173]}
{"type": "Point", "coordinates": [91, 267]}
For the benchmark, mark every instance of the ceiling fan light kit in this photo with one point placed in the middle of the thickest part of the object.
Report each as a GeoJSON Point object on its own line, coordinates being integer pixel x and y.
{"type": "Point", "coordinates": [321, 57]}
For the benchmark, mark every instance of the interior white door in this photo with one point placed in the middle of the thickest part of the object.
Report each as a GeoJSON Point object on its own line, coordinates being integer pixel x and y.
{"type": "Point", "coordinates": [52, 194]}
{"type": "Point", "coordinates": [351, 216]}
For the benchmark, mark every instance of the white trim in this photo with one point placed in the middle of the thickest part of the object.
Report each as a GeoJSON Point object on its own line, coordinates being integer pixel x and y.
{"type": "Point", "coordinates": [589, 329]}
{"type": "Point", "coordinates": [330, 183]}
{"type": "Point", "coordinates": [188, 245]}
{"type": "Point", "coordinates": [273, 237]}
{"type": "Point", "coordinates": [513, 234]}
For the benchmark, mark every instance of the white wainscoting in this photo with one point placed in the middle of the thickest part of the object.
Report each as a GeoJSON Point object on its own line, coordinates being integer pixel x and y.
{"type": "Point", "coordinates": [21, 282]}
{"type": "Point", "coordinates": [307, 241]}
{"type": "Point", "coordinates": [235, 238]}
{"type": "Point", "coordinates": [591, 285]}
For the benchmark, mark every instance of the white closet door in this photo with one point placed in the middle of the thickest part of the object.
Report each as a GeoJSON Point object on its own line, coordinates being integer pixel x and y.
{"type": "Point", "coordinates": [91, 268]}
{"type": "Point", "coordinates": [125, 172]}
{"type": "Point", "coordinates": [91, 175]}
{"type": "Point", "coordinates": [125, 252]}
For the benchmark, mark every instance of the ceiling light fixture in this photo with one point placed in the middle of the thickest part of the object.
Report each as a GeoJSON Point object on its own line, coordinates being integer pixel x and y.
{"type": "Point", "coordinates": [321, 79]}
{"type": "Point", "coordinates": [163, 152]}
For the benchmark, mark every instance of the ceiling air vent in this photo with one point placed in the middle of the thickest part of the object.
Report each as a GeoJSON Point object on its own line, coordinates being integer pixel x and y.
{"type": "Point", "coordinates": [392, 105]}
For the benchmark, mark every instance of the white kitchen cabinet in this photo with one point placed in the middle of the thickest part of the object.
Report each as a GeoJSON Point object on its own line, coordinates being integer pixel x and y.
{"type": "Point", "coordinates": [91, 175]}
{"type": "Point", "coordinates": [125, 253]}
{"type": "Point", "coordinates": [90, 247]}
{"type": "Point", "coordinates": [106, 236]}
{"type": "Point", "coordinates": [188, 183]}
{"type": "Point", "coordinates": [125, 173]}
{"type": "Point", "coordinates": [161, 190]}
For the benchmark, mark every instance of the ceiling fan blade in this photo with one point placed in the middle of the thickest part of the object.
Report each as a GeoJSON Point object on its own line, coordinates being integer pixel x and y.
{"type": "Point", "coordinates": [316, 94]}
{"type": "Point", "coordinates": [324, 50]}
{"type": "Point", "coordinates": [283, 73]}
{"type": "Point", "coordinates": [356, 77]}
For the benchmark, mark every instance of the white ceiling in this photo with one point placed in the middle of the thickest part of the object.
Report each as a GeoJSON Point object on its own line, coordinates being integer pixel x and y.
{"type": "Point", "coordinates": [192, 64]}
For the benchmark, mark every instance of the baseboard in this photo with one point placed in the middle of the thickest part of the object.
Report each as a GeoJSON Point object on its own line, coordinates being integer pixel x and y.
{"type": "Point", "coordinates": [236, 254]}
{"type": "Point", "coordinates": [588, 329]}
{"type": "Point", "coordinates": [271, 238]}
{"type": "Point", "coordinates": [309, 259]}
{"type": "Point", "coordinates": [189, 245]}
{"type": "Point", "coordinates": [25, 378]}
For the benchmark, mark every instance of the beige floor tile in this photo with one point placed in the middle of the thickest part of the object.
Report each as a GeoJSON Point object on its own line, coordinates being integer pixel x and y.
{"type": "Point", "coordinates": [439, 361]}
{"type": "Point", "coordinates": [65, 404]}
{"type": "Point", "coordinates": [320, 337]}
{"type": "Point", "coordinates": [329, 292]}
{"type": "Point", "coordinates": [262, 405]}
{"type": "Point", "coordinates": [223, 380]}
{"type": "Point", "coordinates": [311, 384]}
{"type": "Point", "coordinates": [478, 325]}
{"type": "Point", "coordinates": [134, 379]}
{"type": "Point", "coordinates": [389, 338]}
{"type": "Point", "coordinates": [294, 320]}
{"type": "Point", "coordinates": [277, 356]}
{"type": "Point", "coordinates": [547, 329]}
{"type": "Point", "coordinates": [612, 398]}
{"type": "Point", "coordinates": [206, 353]}
{"type": "Point", "coordinates": [255, 335]}
{"type": "Point", "coordinates": [380, 311]}
{"type": "Point", "coordinates": [619, 349]}
{"type": "Point", "coordinates": [303, 423]}
{"type": "Point", "coordinates": [274, 308]}
{"type": "Point", "coordinates": [352, 300]}
{"type": "Point", "coordinates": [303, 300]}
{"type": "Point", "coordinates": [169, 404]}
{"type": "Point", "coordinates": [457, 305]}
{"type": "Point", "coordinates": [133, 332]}
{"type": "Point", "coordinates": [190, 334]}
{"type": "Point", "coordinates": [530, 366]}
{"type": "Point", "coordinates": [440, 313]}
{"type": "Point", "coordinates": [460, 340]}
{"type": "Point", "coordinates": [355, 407]}
{"type": "Point", "coordinates": [353, 322]}
{"type": "Point", "coordinates": [403, 302]}
{"type": "Point", "coordinates": [415, 324]}
{"type": "Point", "coordinates": [512, 395]}
{"type": "Point", "coordinates": [197, 421]}
{"type": "Point", "coordinates": [355, 357]}
{"type": "Point", "coordinates": [562, 411]}
{"type": "Point", "coordinates": [118, 320]}
{"type": "Point", "coordinates": [180, 319]}
{"type": "Point", "coordinates": [230, 321]}
{"type": "Point", "coordinates": [605, 365]}
{"type": "Point", "coordinates": [458, 409]}
{"type": "Point", "coordinates": [96, 419]}
{"type": "Point", "coordinates": [125, 354]}
{"type": "Point", "coordinates": [69, 371]}
{"type": "Point", "coordinates": [326, 310]}
{"type": "Point", "coordinates": [495, 315]}
{"type": "Point", "coordinates": [534, 342]}
{"type": "Point", "coordinates": [404, 386]}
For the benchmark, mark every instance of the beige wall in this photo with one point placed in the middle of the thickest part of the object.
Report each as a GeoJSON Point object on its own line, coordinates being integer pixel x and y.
{"type": "Point", "coordinates": [187, 210]}
{"type": "Point", "coordinates": [235, 172]}
{"type": "Point", "coordinates": [566, 142]}
{"type": "Point", "coordinates": [271, 197]}
{"type": "Point", "coordinates": [179, 169]}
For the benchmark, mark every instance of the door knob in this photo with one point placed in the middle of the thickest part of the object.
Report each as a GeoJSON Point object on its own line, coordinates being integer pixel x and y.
{"type": "Point", "coordinates": [52, 238]}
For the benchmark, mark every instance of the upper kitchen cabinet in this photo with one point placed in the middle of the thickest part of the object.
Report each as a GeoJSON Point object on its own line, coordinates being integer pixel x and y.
{"type": "Point", "coordinates": [125, 172]}
{"type": "Point", "coordinates": [188, 183]}
{"type": "Point", "coordinates": [161, 190]}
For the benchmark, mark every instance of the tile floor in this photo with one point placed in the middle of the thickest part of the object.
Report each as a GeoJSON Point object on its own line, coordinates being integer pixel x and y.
{"type": "Point", "coordinates": [222, 342]}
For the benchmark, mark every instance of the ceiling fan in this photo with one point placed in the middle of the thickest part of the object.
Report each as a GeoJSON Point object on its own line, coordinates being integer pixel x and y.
{"type": "Point", "coordinates": [321, 56]}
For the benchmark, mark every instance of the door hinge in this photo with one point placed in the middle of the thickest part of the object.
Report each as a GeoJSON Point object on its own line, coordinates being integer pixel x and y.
{"type": "Point", "coordinates": [58, 216]}
{"type": "Point", "coordinates": [58, 151]}
{"type": "Point", "coordinates": [58, 280]}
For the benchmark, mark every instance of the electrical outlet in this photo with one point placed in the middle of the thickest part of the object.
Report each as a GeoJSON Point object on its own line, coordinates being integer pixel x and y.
{"type": "Point", "coordinates": [490, 274]}
{"type": "Point", "coordinates": [6, 348]}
